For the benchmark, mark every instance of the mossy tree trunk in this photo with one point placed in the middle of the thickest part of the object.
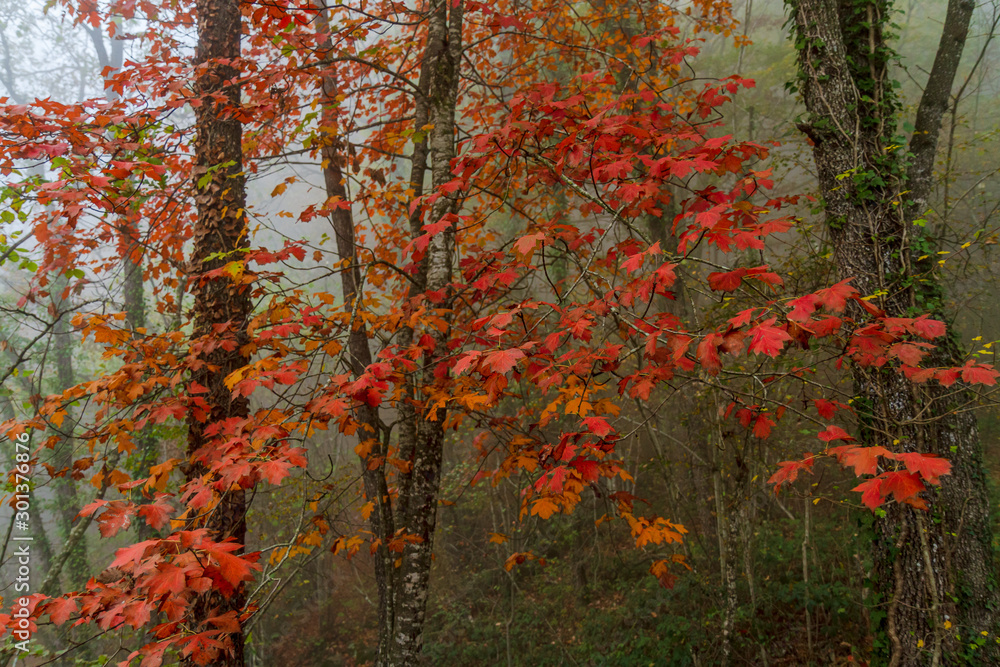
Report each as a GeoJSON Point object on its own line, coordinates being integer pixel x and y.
{"type": "Point", "coordinates": [934, 574]}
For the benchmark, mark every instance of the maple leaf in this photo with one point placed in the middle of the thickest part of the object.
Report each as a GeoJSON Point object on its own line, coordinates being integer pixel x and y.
{"type": "Point", "coordinates": [726, 282]}
{"type": "Point", "coordinates": [60, 609]}
{"type": "Point", "coordinates": [918, 375]}
{"type": "Point", "coordinates": [979, 374]}
{"type": "Point", "coordinates": [928, 466]}
{"type": "Point", "coordinates": [498, 538]}
{"type": "Point", "coordinates": [902, 485]}
{"type": "Point", "coordinates": [168, 579]}
{"type": "Point", "coordinates": [233, 568]}
{"type": "Point", "coordinates": [131, 554]}
{"type": "Point", "coordinates": [762, 426]}
{"type": "Point", "coordinates": [834, 433]}
{"type": "Point", "coordinates": [928, 328]}
{"type": "Point", "coordinates": [788, 471]}
{"type": "Point", "coordinates": [589, 470]}
{"type": "Point", "coordinates": [708, 354]}
{"type": "Point", "coordinates": [228, 623]}
{"type": "Point", "coordinates": [137, 614]}
{"type": "Point", "coordinates": [660, 570]}
{"type": "Point", "coordinates": [908, 353]}
{"type": "Point", "coordinates": [871, 492]}
{"type": "Point", "coordinates": [834, 298]}
{"type": "Point", "coordinates": [825, 408]}
{"type": "Point", "coordinates": [803, 307]}
{"type": "Point", "coordinates": [156, 514]}
{"type": "Point", "coordinates": [502, 361]}
{"type": "Point", "coordinates": [526, 245]}
{"type": "Point", "coordinates": [465, 361]}
{"type": "Point", "coordinates": [948, 376]}
{"type": "Point", "coordinates": [863, 459]}
{"type": "Point", "coordinates": [544, 508]}
{"type": "Point", "coordinates": [768, 339]}
{"type": "Point", "coordinates": [115, 518]}
{"type": "Point", "coordinates": [599, 426]}
{"type": "Point", "coordinates": [274, 471]}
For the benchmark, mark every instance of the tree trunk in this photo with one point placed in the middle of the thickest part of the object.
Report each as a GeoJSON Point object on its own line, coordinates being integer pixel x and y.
{"type": "Point", "coordinates": [937, 567]}
{"type": "Point", "coordinates": [440, 72]}
{"type": "Point", "coordinates": [403, 585]}
{"type": "Point", "coordinates": [68, 504]}
{"type": "Point", "coordinates": [221, 228]}
{"type": "Point", "coordinates": [359, 354]}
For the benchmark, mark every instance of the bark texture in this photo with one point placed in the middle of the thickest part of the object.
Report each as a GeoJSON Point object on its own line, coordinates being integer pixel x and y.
{"type": "Point", "coordinates": [403, 585]}
{"type": "Point", "coordinates": [77, 569]}
{"type": "Point", "coordinates": [219, 303]}
{"type": "Point", "coordinates": [934, 572]}
{"type": "Point", "coordinates": [440, 75]}
{"type": "Point", "coordinates": [359, 350]}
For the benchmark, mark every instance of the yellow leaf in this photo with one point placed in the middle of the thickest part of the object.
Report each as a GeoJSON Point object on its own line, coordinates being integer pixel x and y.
{"type": "Point", "coordinates": [498, 538]}
{"type": "Point", "coordinates": [235, 269]}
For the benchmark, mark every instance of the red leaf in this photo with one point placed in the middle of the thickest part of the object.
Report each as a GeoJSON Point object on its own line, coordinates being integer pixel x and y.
{"type": "Point", "coordinates": [60, 609]}
{"type": "Point", "coordinates": [979, 374]}
{"type": "Point", "coordinates": [114, 519]}
{"type": "Point", "coordinates": [274, 471]}
{"type": "Point", "coordinates": [825, 408]}
{"type": "Point", "coordinates": [132, 554]}
{"type": "Point", "coordinates": [948, 376]}
{"type": "Point", "coordinates": [789, 470]}
{"type": "Point", "coordinates": [767, 338]}
{"type": "Point", "coordinates": [908, 353]}
{"type": "Point", "coordinates": [233, 568]}
{"type": "Point", "coordinates": [864, 460]}
{"type": "Point", "coordinates": [803, 307]}
{"type": "Point", "coordinates": [871, 492]}
{"type": "Point", "coordinates": [929, 329]}
{"type": "Point", "coordinates": [465, 361]}
{"type": "Point", "coordinates": [502, 361]}
{"type": "Point", "coordinates": [834, 298]}
{"type": "Point", "coordinates": [762, 426]}
{"type": "Point", "coordinates": [902, 485]}
{"type": "Point", "coordinates": [157, 514]}
{"type": "Point", "coordinates": [227, 623]}
{"type": "Point", "coordinates": [928, 466]}
{"type": "Point", "coordinates": [726, 282]}
{"type": "Point", "coordinates": [526, 244]}
{"type": "Point", "coordinates": [834, 433]}
{"type": "Point", "coordinates": [598, 426]}
{"type": "Point", "coordinates": [708, 354]}
{"type": "Point", "coordinates": [589, 470]}
{"type": "Point", "coordinates": [918, 375]}
{"type": "Point", "coordinates": [170, 579]}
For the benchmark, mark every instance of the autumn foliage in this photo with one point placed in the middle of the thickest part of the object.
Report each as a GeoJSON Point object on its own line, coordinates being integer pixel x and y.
{"type": "Point", "coordinates": [593, 186]}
